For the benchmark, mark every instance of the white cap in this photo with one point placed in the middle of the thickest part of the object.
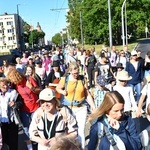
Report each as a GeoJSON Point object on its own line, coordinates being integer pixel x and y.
{"type": "Point", "coordinates": [47, 94]}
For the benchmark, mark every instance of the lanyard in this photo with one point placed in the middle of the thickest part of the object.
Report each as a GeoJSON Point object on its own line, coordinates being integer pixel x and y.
{"type": "Point", "coordinates": [50, 129]}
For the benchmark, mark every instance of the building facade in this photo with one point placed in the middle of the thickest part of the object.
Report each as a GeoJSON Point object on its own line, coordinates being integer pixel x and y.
{"type": "Point", "coordinates": [11, 32]}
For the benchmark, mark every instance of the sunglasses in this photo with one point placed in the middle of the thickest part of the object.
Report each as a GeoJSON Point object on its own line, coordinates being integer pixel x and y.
{"type": "Point", "coordinates": [51, 101]}
{"type": "Point", "coordinates": [123, 80]}
{"type": "Point", "coordinates": [75, 73]}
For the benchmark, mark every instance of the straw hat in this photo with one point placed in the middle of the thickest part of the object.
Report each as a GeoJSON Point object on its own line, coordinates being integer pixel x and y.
{"type": "Point", "coordinates": [123, 75]}
{"type": "Point", "coordinates": [148, 78]}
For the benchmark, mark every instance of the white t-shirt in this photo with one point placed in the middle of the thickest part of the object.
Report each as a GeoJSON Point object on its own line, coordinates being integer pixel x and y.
{"type": "Point", "coordinates": [127, 94]}
{"type": "Point", "coordinates": [146, 91]}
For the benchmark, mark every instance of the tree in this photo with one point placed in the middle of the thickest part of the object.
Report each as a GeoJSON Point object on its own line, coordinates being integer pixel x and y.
{"type": "Point", "coordinates": [35, 36]}
{"type": "Point", "coordinates": [58, 39]}
{"type": "Point", "coordinates": [95, 19]}
{"type": "Point", "coordinates": [26, 28]}
{"type": "Point", "coordinates": [32, 36]}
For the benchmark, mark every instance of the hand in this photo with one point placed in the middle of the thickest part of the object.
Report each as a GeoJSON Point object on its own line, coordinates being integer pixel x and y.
{"type": "Point", "coordinates": [138, 113]}
{"type": "Point", "coordinates": [113, 122]}
{"type": "Point", "coordinates": [11, 103]}
{"type": "Point", "coordinates": [44, 142]}
{"type": "Point", "coordinates": [65, 93]}
{"type": "Point", "coordinates": [142, 83]}
{"type": "Point", "coordinates": [28, 84]}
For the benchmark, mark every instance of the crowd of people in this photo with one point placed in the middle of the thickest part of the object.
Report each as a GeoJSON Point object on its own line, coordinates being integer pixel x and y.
{"type": "Point", "coordinates": [51, 94]}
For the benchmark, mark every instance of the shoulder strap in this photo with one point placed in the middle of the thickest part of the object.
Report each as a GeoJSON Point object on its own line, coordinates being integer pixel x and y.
{"type": "Point", "coordinates": [64, 114]}
{"type": "Point", "coordinates": [66, 81]}
{"type": "Point", "coordinates": [100, 127]}
{"type": "Point", "coordinates": [111, 139]}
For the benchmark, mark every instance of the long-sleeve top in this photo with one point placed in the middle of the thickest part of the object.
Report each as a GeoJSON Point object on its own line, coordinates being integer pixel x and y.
{"type": "Point", "coordinates": [64, 120]}
{"type": "Point", "coordinates": [126, 132]}
{"type": "Point", "coordinates": [137, 75]}
{"type": "Point", "coordinates": [7, 113]}
{"type": "Point", "coordinates": [127, 94]}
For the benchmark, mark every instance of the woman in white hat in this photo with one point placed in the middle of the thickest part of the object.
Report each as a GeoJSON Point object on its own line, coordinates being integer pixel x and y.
{"type": "Point", "coordinates": [50, 121]}
{"type": "Point", "coordinates": [126, 91]}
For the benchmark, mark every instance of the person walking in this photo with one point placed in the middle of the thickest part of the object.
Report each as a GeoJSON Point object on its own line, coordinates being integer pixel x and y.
{"type": "Point", "coordinates": [76, 93]}
{"type": "Point", "coordinates": [111, 128]}
{"type": "Point", "coordinates": [50, 121]}
{"type": "Point", "coordinates": [135, 70]}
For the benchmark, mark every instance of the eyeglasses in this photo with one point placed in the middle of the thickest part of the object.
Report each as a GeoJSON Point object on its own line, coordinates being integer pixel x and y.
{"type": "Point", "coordinates": [76, 73]}
{"type": "Point", "coordinates": [123, 80]}
{"type": "Point", "coordinates": [42, 101]}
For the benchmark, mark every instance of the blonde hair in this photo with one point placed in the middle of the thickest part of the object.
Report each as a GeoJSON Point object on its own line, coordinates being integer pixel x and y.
{"type": "Point", "coordinates": [3, 80]}
{"type": "Point", "coordinates": [64, 143]}
{"type": "Point", "coordinates": [14, 76]}
{"type": "Point", "coordinates": [110, 99]}
{"type": "Point", "coordinates": [18, 59]}
{"type": "Point", "coordinates": [73, 66]}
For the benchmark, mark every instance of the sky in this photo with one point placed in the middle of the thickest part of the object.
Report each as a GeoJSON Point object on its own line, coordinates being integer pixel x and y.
{"type": "Point", "coordinates": [33, 11]}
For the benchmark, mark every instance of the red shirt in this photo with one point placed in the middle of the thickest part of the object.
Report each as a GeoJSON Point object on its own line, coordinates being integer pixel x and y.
{"type": "Point", "coordinates": [29, 97]}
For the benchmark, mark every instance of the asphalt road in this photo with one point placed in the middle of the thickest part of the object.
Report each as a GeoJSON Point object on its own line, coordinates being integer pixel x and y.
{"type": "Point", "coordinates": [144, 46]}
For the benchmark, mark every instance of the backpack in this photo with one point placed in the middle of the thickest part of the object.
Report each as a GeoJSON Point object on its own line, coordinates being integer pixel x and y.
{"type": "Point", "coordinates": [113, 144]}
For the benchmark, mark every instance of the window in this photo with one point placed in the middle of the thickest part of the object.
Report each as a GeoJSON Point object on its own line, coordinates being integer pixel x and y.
{"type": "Point", "coordinates": [1, 23]}
{"type": "Point", "coordinates": [9, 38]}
{"type": "Point", "coordinates": [9, 23]}
{"type": "Point", "coordinates": [10, 30]}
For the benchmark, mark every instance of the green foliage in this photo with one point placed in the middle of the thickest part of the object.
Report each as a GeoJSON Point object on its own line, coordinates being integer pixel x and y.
{"type": "Point", "coordinates": [58, 39]}
{"type": "Point", "coordinates": [35, 36]}
{"type": "Point", "coordinates": [95, 19]}
{"type": "Point", "coordinates": [26, 28]}
{"type": "Point", "coordinates": [32, 36]}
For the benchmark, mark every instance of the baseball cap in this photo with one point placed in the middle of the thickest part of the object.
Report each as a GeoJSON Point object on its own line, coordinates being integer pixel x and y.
{"type": "Point", "coordinates": [30, 57]}
{"type": "Point", "coordinates": [134, 53]}
{"type": "Point", "coordinates": [38, 61]}
{"type": "Point", "coordinates": [46, 95]}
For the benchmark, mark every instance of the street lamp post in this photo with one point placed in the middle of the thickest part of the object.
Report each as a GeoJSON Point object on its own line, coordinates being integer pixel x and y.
{"type": "Point", "coordinates": [81, 28]}
{"type": "Point", "coordinates": [18, 25]}
{"type": "Point", "coordinates": [123, 34]}
{"type": "Point", "coordinates": [110, 28]}
{"type": "Point", "coordinates": [126, 27]}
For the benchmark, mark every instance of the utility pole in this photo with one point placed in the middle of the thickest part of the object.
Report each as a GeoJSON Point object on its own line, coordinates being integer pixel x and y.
{"type": "Point", "coordinates": [81, 28]}
{"type": "Point", "coordinates": [126, 27]}
{"type": "Point", "coordinates": [110, 28]}
{"type": "Point", "coordinates": [19, 37]}
{"type": "Point", "coordinates": [123, 34]}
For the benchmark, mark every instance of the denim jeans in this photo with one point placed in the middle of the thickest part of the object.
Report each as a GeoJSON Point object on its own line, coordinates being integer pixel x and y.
{"type": "Point", "coordinates": [137, 87]}
{"type": "Point", "coordinates": [80, 115]}
{"type": "Point", "coordinates": [26, 120]}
